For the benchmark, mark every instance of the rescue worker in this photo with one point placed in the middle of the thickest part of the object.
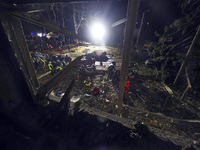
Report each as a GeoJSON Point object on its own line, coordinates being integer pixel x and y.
{"type": "Point", "coordinates": [35, 64]}
{"type": "Point", "coordinates": [58, 63]}
{"type": "Point", "coordinates": [96, 91]}
{"type": "Point", "coordinates": [62, 64]}
{"type": "Point", "coordinates": [77, 42]}
{"type": "Point", "coordinates": [58, 68]}
{"type": "Point", "coordinates": [111, 70]}
{"type": "Point", "coordinates": [87, 82]}
{"type": "Point", "coordinates": [127, 84]}
{"type": "Point", "coordinates": [38, 59]}
{"type": "Point", "coordinates": [116, 77]}
{"type": "Point", "coordinates": [50, 67]}
{"type": "Point", "coordinates": [54, 64]}
{"type": "Point", "coordinates": [59, 50]}
{"type": "Point", "coordinates": [47, 46]}
{"type": "Point", "coordinates": [30, 55]}
{"type": "Point", "coordinates": [38, 62]}
{"type": "Point", "coordinates": [51, 47]}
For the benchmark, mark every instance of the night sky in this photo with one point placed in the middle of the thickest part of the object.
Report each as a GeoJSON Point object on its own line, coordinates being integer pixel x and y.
{"type": "Point", "coordinates": [162, 13]}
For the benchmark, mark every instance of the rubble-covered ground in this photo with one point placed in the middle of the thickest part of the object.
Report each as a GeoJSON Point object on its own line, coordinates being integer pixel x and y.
{"type": "Point", "coordinates": [147, 101]}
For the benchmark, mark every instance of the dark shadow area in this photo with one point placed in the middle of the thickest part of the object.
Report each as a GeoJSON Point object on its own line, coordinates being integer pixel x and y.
{"type": "Point", "coordinates": [85, 132]}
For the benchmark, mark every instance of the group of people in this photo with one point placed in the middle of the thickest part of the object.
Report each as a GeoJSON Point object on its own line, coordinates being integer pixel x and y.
{"type": "Point", "coordinates": [41, 43]}
{"type": "Point", "coordinates": [38, 61]}
{"type": "Point", "coordinates": [57, 62]}
{"type": "Point", "coordinates": [54, 62]}
{"type": "Point", "coordinates": [80, 43]}
{"type": "Point", "coordinates": [114, 75]}
{"type": "Point", "coordinates": [88, 83]}
{"type": "Point", "coordinates": [55, 66]}
{"type": "Point", "coordinates": [95, 91]}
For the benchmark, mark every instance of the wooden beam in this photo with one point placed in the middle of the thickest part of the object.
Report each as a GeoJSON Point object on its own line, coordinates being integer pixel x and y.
{"type": "Point", "coordinates": [56, 78]}
{"type": "Point", "coordinates": [53, 1]}
{"type": "Point", "coordinates": [44, 134]}
{"type": "Point", "coordinates": [188, 86]}
{"type": "Point", "coordinates": [132, 12]}
{"type": "Point", "coordinates": [56, 1]}
{"type": "Point", "coordinates": [64, 126]}
{"type": "Point", "coordinates": [19, 34]}
{"type": "Point", "coordinates": [37, 20]}
{"type": "Point", "coordinates": [16, 50]}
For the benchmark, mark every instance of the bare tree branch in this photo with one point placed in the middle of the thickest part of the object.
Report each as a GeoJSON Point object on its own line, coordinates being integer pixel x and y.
{"type": "Point", "coordinates": [189, 85]}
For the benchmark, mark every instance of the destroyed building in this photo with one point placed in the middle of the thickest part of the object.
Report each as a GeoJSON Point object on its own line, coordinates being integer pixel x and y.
{"type": "Point", "coordinates": [42, 109]}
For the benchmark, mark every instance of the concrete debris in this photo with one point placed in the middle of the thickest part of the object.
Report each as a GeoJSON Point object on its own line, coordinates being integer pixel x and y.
{"type": "Point", "coordinates": [75, 98]}
{"type": "Point", "coordinates": [88, 95]}
{"type": "Point", "coordinates": [107, 100]}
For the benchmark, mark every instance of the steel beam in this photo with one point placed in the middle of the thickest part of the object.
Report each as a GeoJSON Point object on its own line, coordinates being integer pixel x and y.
{"type": "Point", "coordinates": [37, 20]}
{"type": "Point", "coordinates": [56, 78]}
{"type": "Point", "coordinates": [19, 34]}
{"type": "Point", "coordinates": [132, 12]}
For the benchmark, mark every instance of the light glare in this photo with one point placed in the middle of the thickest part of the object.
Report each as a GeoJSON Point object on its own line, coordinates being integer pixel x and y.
{"type": "Point", "coordinates": [98, 31]}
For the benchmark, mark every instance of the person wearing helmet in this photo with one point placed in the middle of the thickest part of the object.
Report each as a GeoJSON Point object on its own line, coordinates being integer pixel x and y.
{"type": "Point", "coordinates": [58, 63]}
{"type": "Point", "coordinates": [87, 83]}
{"type": "Point", "coordinates": [58, 68]}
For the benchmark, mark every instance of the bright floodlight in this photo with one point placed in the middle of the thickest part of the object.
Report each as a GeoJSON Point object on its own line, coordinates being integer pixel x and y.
{"type": "Point", "coordinates": [98, 31]}
{"type": "Point", "coordinates": [39, 34]}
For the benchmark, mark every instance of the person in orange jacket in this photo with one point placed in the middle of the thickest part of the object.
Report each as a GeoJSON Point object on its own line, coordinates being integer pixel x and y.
{"type": "Point", "coordinates": [77, 42]}
{"type": "Point", "coordinates": [127, 84]}
{"type": "Point", "coordinates": [51, 47]}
